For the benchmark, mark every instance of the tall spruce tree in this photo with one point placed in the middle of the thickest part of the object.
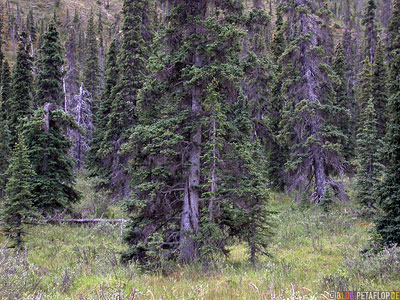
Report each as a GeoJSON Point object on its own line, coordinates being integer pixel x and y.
{"type": "Point", "coordinates": [95, 156]}
{"type": "Point", "coordinates": [135, 47]}
{"type": "Point", "coordinates": [4, 131]}
{"type": "Point", "coordinates": [17, 207]}
{"type": "Point", "coordinates": [91, 71]}
{"type": "Point", "coordinates": [370, 33]}
{"type": "Point", "coordinates": [194, 150]}
{"type": "Point", "coordinates": [53, 185]}
{"type": "Point", "coordinates": [311, 135]}
{"type": "Point", "coordinates": [45, 133]}
{"type": "Point", "coordinates": [5, 88]}
{"type": "Point", "coordinates": [31, 29]}
{"type": "Point", "coordinates": [349, 47]}
{"type": "Point", "coordinates": [20, 101]}
{"type": "Point", "coordinates": [388, 226]}
{"type": "Point", "coordinates": [259, 78]}
{"type": "Point", "coordinates": [4, 154]}
{"type": "Point", "coordinates": [368, 144]}
{"type": "Point", "coordinates": [343, 120]}
{"type": "Point", "coordinates": [379, 89]}
{"type": "Point", "coordinates": [49, 78]}
{"type": "Point", "coordinates": [276, 151]}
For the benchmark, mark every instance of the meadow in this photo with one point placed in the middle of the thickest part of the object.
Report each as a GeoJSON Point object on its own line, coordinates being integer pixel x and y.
{"type": "Point", "coordinates": [312, 253]}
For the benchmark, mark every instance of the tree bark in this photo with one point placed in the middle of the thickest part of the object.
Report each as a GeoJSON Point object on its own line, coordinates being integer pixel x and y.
{"type": "Point", "coordinates": [190, 214]}
{"type": "Point", "coordinates": [320, 179]}
{"type": "Point", "coordinates": [83, 221]}
{"type": "Point", "coordinates": [213, 189]}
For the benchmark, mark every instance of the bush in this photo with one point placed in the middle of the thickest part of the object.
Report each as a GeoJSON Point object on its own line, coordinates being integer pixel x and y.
{"type": "Point", "coordinates": [17, 275]}
{"type": "Point", "coordinates": [385, 263]}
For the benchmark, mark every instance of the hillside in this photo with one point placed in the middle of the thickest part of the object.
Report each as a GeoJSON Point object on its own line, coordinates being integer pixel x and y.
{"type": "Point", "coordinates": [45, 8]}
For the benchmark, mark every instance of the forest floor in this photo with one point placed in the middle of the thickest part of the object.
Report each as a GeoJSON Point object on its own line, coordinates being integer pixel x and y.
{"type": "Point", "coordinates": [312, 253]}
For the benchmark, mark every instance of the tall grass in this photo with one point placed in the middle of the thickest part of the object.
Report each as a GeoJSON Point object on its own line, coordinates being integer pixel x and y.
{"type": "Point", "coordinates": [312, 253]}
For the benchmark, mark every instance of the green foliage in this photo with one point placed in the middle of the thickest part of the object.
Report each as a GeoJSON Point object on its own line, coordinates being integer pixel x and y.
{"type": "Point", "coordinates": [386, 263]}
{"type": "Point", "coordinates": [371, 34]}
{"type": "Point", "coordinates": [48, 151]}
{"type": "Point", "coordinates": [72, 262]}
{"type": "Point", "coordinates": [91, 71]}
{"type": "Point", "coordinates": [17, 207]}
{"type": "Point", "coordinates": [368, 144]}
{"type": "Point", "coordinates": [96, 156]}
{"type": "Point", "coordinates": [369, 168]}
{"type": "Point", "coordinates": [379, 89]}
{"type": "Point", "coordinates": [307, 126]}
{"type": "Point", "coordinates": [388, 226]}
{"type": "Point", "coordinates": [121, 107]}
{"type": "Point", "coordinates": [187, 98]}
{"type": "Point", "coordinates": [278, 43]}
{"type": "Point", "coordinates": [49, 78]}
{"type": "Point", "coordinates": [30, 26]}
{"type": "Point", "coordinates": [5, 90]}
{"type": "Point", "coordinates": [4, 130]}
{"type": "Point", "coordinates": [343, 119]}
{"type": "Point", "coordinates": [4, 154]}
{"type": "Point", "coordinates": [20, 101]}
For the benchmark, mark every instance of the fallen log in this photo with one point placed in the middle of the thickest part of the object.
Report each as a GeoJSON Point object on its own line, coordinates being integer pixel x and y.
{"type": "Point", "coordinates": [83, 221]}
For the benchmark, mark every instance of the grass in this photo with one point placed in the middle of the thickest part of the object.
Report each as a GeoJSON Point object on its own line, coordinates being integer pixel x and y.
{"type": "Point", "coordinates": [312, 253]}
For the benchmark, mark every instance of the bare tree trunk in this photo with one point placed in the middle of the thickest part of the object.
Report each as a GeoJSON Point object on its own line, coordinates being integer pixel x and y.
{"type": "Point", "coordinates": [320, 179]}
{"type": "Point", "coordinates": [190, 214]}
{"type": "Point", "coordinates": [253, 246]}
{"type": "Point", "coordinates": [213, 170]}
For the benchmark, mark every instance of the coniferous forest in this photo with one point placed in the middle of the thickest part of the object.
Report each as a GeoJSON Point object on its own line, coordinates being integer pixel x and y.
{"type": "Point", "coordinates": [199, 149]}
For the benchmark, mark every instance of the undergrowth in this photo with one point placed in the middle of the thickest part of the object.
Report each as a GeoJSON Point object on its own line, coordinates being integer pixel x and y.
{"type": "Point", "coordinates": [313, 252]}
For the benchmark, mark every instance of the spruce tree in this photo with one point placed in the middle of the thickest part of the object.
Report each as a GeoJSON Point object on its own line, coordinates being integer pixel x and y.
{"type": "Point", "coordinates": [1, 45]}
{"type": "Point", "coordinates": [4, 134]}
{"type": "Point", "coordinates": [245, 207]}
{"type": "Point", "coordinates": [53, 185]}
{"type": "Point", "coordinates": [5, 89]}
{"type": "Point", "coordinates": [388, 226]}
{"type": "Point", "coordinates": [91, 70]}
{"type": "Point", "coordinates": [45, 133]}
{"type": "Point", "coordinates": [379, 89]}
{"type": "Point", "coordinates": [49, 78]}
{"type": "Point", "coordinates": [96, 156]}
{"type": "Point", "coordinates": [4, 131]}
{"type": "Point", "coordinates": [276, 150]}
{"type": "Point", "coordinates": [368, 144]}
{"type": "Point", "coordinates": [30, 27]}
{"type": "Point", "coordinates": [278, 43]}
{"type": "Point", "coordinates": [370, 34]}
{"type": "Point", "coordinates": [349, 47]}
{"type": "Point", "coordinates": [193, 149]}
{"type": "Point", "coordinates": [17, 207]}
{"type": "Point", "coordinates": [259, 79]}
{"type": "Point", "coordinates": [344, 119]}
{"type": "Point", "coordinates": [307, 126]}
{"type": "Point", "coordinates": [135, 47]}
{"type": "Point", "coordinates": [20, 101]}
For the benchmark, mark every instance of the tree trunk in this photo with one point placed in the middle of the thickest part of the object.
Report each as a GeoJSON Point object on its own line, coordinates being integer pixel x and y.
{"type": "Point", "coordinates": [190, 214]}
{"type": "Point", "coordinates": [320, 179]}
{"type": "Point", "coordinates": [213, 189]}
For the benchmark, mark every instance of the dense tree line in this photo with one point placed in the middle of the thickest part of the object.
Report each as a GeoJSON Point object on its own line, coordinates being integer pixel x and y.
{"type": "Point", "coordinates": [198, 111]}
